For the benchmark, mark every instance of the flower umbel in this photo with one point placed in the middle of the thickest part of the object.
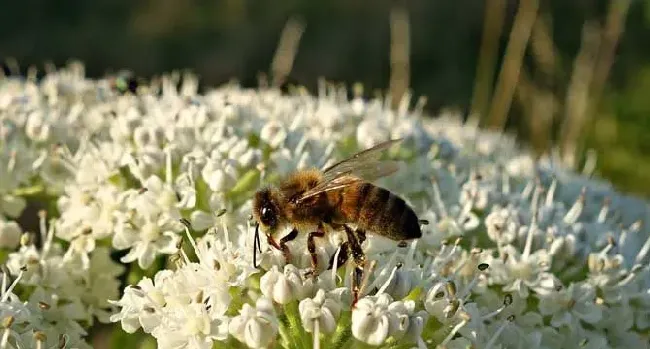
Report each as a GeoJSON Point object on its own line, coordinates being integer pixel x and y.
{"type": "Point", "coordinates": [515, 252]}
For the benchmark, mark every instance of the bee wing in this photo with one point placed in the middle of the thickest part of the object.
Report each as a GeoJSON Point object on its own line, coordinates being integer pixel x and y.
{"type": "Point", "coordinates": [360, 159]}
{"type": "Point", "coordinates": [364, 166]}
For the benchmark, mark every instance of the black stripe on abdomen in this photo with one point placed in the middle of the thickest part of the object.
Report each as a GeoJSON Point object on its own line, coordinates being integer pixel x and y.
{"type": "Point", "coordinates": [364, 191]}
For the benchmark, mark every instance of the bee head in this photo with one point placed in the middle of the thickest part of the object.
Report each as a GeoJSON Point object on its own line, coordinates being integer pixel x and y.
{"type": "Point", "coordinates": [266, 209]}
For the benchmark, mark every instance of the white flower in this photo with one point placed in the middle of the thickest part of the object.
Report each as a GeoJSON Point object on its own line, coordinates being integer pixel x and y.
{"type": "Point", "coordinates": [375, 318]}
{"type": "Point", "coordinates": [234, 265]}
{"type": "Point", "coordinates": [371, 319]}
{"type": "Point", "coordinates": [129, 167]}
{"type": "Point", "coordinates": [284, 287]}
{"type": "Point", "coordinates": [190, 326]}
{"type": "Point", "coordinates": [571, 303]}
{"type": "Point", "coordinates": [46, 270]}
{"type": "Point", "coordinates": [440, 303]}
{"type": "Point", "coordinates": [416, 325]}
{"type": "Point", "coordinates": [405, 324]}
{"type": "Point", "coordinates": [528, 271]}
{"type": "Point", "coordinates": [257, 327]}
{"type": "Point", "coordinates": [12, 205]}
{"type": "Point", "coordinates": [198, 280]}
{"type": "Point", "coordinates": [402, 283]}
{"type": "Point", "coordinates": [503, 225]}
{"type": "Point", "coordinates": [54, 310]}
{"type": "Point", "coordinates": [85, 214]}
{"type": "Point", "coordinates": [220, 174]}
{"type": "Point", "coordinates": [37, 128]}
{"type": "Point", "coordinates": [10, 233]}
{"type": "Point", "coordinates": [321, 309]}
{"type": "Point", "coordinates": [148, 231]}
{"type": "Point", "coordinates": [141, 305]}
{"type": "Point", "coordinates": [371, 131]}
{"type": "Point", "coordinates": [186, 191]}
{"type": "Point", "coordinates": [273, 133]}
{"type": "Point", "coordinates": [100, 283]}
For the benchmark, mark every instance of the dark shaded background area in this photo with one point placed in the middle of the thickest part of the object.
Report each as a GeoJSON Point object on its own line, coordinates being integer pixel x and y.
{"type": "Point", "coordinates": [346, 41]}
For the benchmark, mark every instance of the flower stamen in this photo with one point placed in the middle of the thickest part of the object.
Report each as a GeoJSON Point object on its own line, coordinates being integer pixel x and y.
{"type": "Point", "coordinates": [465, 319]}
{"type": "Point", "coordinates": [438, 198]}
{"type": "Point", "coordinates": [496, 334]}
{"type": "Point", "coordinates": [575, 211]}
{"type": "Point", "coordinates": [6, 324]}
{"type": "Point", "coordinates": [13, 285]}
{"type": "Point", "coordinates": [187, 226]}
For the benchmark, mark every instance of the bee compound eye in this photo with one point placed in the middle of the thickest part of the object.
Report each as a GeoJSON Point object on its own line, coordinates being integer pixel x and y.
{"type": "Point", "coordinates": [266, 214]}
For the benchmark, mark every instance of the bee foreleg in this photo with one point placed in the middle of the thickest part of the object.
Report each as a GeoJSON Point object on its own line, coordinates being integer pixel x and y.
{"type": "Point", "coordinates": [311, 247]}
{"type": "Point", "coordinates": [283, 244]}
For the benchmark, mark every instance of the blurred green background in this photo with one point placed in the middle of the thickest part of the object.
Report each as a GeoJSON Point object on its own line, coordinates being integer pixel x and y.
{"type": "Point", "coordinates": [568, 74]}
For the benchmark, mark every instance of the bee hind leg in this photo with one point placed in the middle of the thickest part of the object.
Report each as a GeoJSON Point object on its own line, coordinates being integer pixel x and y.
{"type": "Point", "coordinates": [311, 247]}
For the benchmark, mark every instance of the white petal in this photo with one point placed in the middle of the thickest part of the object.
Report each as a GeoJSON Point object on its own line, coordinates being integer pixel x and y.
{"type": "Point", "coordinates": [561, 318]}
{"type": "Point", "coordinates": [130, 324]}
{"type": "Point", "coordinates": [13, 206]}
{"type": "Point", "coordinates": [147, 256]}
{"type": "Point", "coordinates": [380, 333]}
{"type": "Point", "coordinates": [589, 312]}
{"type": "Point", "coordinates": [201, 220]}
{"type": "Point", "coordinates": [149, 322]}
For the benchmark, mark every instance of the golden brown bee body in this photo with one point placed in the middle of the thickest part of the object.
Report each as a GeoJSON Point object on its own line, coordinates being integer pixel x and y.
{"type": "Point", "coordinates": [337, 196]}
{"type": "Point", "coordinates": [377, 210]}
{"type": "Point", "coordinates": [369, 207]}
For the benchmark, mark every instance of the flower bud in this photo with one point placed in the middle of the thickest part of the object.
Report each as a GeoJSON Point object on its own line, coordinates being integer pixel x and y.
{"type": "Point", "coordinates": [283, 287]}
{"type": "Point", "coordinates": [371, 319]}
{"type": "Point", "coordinates": [255, 326]}
{"type": "Point", "coordinates": [322, 309]}
{"type": "Point", "coordinates": [9, 234]}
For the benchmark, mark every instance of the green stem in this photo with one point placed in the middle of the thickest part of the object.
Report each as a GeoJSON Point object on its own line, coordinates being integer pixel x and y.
{"type": "Point", "coordinates": [285, 336]}
{"type": "Point", "coordinates": [295, 325]}
{"type": "Point", "coordinates": [400, 345]}
{"type": "Point", "coordinates": [343, 333]}
{"type": "Point", "coordinates": [28, 191]}
{"type": "Point", "coordinates": [348, 343]}
{"type": "Point", "coordinates": [202, 195]}
{"type": "Point", "coordinates": [236, 302]}
{"type": "Point", "coordinates": [430, 328]}
{"type": "Point", "coordinates": [225, 344]}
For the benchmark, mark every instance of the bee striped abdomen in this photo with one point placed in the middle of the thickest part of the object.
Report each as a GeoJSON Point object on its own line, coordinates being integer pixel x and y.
{"type": "Point", "coordinates": [382, 212]}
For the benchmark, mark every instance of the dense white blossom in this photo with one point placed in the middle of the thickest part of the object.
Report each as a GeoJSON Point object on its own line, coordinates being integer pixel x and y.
{"type": "Point", "coordinates": [515, 252]}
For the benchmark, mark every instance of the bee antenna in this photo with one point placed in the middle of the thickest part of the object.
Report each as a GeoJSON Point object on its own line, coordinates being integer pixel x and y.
{"type": "Point", "coordinates": [257, 237]}
{"type": "Point", "coordinates": [256, 245]}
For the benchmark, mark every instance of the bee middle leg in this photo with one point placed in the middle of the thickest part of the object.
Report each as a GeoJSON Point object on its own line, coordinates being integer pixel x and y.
{"type": "Point", "coordinates": [311, 247]}
{"type": "Point", "coordinates": [355, 239]}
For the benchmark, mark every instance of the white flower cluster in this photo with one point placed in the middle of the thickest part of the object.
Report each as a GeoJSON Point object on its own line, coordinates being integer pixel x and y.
{"type": "Point", "coordinates": [45, 321]}
{"type": "Point", "coordinates": [515, 253]}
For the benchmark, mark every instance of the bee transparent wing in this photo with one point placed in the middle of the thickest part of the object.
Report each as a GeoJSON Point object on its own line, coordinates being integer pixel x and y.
{"type": "Point", "coordinates": [354, 176]}
{"type": "Point", "coordinates": [337, 183]}
{"type": "Point", "coordinates": [360, 159]}
{"type": "Point", "coordinates": [364, 166]}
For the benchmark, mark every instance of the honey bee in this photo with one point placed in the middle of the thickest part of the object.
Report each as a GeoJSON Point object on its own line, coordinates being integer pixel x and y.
{"type": "Point", "coordinates": [342, 194]}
